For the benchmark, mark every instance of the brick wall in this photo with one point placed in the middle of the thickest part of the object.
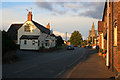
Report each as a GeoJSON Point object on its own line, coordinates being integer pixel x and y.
{"type": "Point", "coordinates": [105, 30]}
{"type": "Point", "coordinates": [100, 26]}
{"type": "Point", "coordinates": [100, 30]}
{"type": "Point", "coordinates": [116, 16]}
{"type": "Point", "coordinates": [118, 25]}
{"type": "Point", "coordinates": [118, 36]}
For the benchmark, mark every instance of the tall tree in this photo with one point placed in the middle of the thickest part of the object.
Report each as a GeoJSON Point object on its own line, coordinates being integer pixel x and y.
{"type": "Point", "coordinates": [59, 41]}
{"type": "Point", "coordinates": [76, 38]}
{"type": "Point", "coordinates": [84, 42]}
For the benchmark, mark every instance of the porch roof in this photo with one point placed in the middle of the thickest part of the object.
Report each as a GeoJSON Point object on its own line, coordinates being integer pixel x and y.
{"type": "Point", "coordinates": [29, 37]}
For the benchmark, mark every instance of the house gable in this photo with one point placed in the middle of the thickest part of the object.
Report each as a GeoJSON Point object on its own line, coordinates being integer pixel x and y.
{"type": "Point", "coordinates": [12, 31]}
{"type": "Point", "coordinates": [32, 30]}
{"type": "Point", "coordinates": [28, 28]}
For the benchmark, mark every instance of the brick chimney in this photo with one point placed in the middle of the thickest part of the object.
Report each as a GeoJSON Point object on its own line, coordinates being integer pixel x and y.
{"type": "Point", "coordinates": [29, 16]}
{"type": "Point", "coordinates": [48, 26]}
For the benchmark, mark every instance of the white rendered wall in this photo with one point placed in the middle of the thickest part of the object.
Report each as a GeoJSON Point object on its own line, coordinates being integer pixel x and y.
{"type": "Point", "coordinates": [21, 31]}
{"type": "Point", "coordinates": [29, 45]}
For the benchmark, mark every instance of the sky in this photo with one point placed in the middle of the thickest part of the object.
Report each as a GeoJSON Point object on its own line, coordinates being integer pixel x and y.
{"type": "Point", "coordinates": [62, 16]}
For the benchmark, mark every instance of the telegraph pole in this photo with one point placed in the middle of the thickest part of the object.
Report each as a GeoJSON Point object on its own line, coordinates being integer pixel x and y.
{"type": "Point", "coordinates": [66, 38]}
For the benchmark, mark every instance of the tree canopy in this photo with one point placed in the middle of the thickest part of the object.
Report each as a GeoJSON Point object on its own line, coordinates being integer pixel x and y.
{"type": "Point", "coordinates": [76, 38]}
{"type": "Point", "coordinates": [84, 42]}
{"type": "Point", "coordinates": [59, 41]}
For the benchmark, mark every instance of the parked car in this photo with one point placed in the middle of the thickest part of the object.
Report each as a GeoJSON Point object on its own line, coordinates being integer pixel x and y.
{"type": "Point", "coordinates": [86, 46]}
{"type": "Point", "coordinates": [79, 46]}
{"type": "Point", "coordinates": [97, 47]}
{"type": "Point", "coordinates": [94, 47]}
{"type": "Point", "coordinates": [70, 47]}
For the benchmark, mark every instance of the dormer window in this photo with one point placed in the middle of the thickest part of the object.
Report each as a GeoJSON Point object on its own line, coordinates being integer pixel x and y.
{"type": "Point", "coordinates": [28, 28]}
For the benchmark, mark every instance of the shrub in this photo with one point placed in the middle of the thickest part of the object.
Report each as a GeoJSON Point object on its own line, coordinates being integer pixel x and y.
{"type": "Point", "coordinates": [101, 50]}
{"type": "Point", "coordinates": [7, 43]}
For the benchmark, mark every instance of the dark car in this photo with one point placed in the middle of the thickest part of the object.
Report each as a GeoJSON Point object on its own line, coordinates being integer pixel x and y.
{"type": "Point", "coordinates": [70, 47]}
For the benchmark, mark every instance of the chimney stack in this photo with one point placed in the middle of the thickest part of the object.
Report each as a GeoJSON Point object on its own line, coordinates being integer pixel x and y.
{"type": "Point", "coordinates": [48, 26]}
{"type": "Point", "coordinates": [30, 16]}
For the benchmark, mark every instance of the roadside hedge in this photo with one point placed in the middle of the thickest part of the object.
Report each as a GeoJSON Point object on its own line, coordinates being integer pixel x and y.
{"type": "Point", "coordinates": [7, 43]}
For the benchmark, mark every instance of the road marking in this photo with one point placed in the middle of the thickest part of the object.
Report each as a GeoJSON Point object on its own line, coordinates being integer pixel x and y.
{"type": "Point", "coordinates": [60, 73]}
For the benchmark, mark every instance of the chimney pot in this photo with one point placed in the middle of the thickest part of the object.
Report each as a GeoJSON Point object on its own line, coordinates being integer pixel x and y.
{"type": "Point", "coordinates": [30, 16]}
{"type": "Point", "coordinates": [48, 26]}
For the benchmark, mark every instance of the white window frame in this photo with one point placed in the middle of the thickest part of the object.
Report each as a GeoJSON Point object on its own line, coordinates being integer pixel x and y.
{"type": "Point", "coordinates": [115, 35]}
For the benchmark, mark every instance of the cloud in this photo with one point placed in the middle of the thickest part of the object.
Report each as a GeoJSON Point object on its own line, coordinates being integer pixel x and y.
{"type": "Point", "coordinates": [88, 9]}
{"type": "Point", "coordinates": [52, 7]}
{"type": "Point", "coordinates": [84, 38]}
{"type": "Point", "coordinates": [54, 14]}
{"type": "Point", "coordinates": [72, 5]}
{"type": "Point", "coordinates": [61, 23]}
{"type": "Point", "coordinates": [10, 16]}
{"type": "Point", "coordinates": [14, 14]}
{"type": "Point", "coordinates": [45, 5]}
{"type": "Point", "coordinates": [63, 35]}
{"type": "Point", "coordinates": [95, 10]}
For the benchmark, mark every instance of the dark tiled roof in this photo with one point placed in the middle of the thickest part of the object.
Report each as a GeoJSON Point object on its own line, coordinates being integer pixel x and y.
{"type": "Point", "coordinates": [105, 8]}
{"type": "Point", "coordinates": [53, 35]}
{"type": "Point", "coordinates": [41, 27]}
{"type": "Point", "coordinates": [12, 31]}
{"type": "Point", "coordinates": [29, 37]}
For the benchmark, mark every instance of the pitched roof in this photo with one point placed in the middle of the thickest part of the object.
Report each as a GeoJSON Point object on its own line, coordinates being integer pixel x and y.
{"type": "Point", "coordinates": [12, 31]}
{"type": "Point", "coordinates": [29, 37]}
{"type": "Point", "coordinates": [41, 27]}
{"type": "Point", "coordinates": [105, 8]}
{"type": "Point", "coordinates": [53, 35]}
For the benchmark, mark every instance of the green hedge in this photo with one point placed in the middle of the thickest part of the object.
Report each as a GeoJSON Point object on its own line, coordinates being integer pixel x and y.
{"type": "Point", "coordinates": [7, 43]}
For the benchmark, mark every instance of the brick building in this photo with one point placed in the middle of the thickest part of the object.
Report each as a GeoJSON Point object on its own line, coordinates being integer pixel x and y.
{"type": "Point", "coordinates": [109, 35]}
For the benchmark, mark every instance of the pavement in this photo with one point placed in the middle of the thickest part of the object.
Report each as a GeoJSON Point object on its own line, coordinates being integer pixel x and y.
{"type": "Point", "coordinates": [93, 67]}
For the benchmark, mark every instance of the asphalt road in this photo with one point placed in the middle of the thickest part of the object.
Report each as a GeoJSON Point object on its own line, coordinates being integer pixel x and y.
{"type": "Point", "coordinates": [43, 65]}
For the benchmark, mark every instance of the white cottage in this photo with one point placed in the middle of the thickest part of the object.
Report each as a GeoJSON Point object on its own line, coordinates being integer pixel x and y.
{"type": "Point", "coordinates": [33, 36]}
